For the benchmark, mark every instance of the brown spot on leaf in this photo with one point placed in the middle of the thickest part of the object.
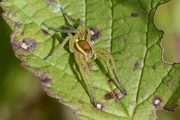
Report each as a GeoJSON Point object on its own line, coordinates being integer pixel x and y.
{"type": "Point", "coordinates": [80, 101]}
{"type": "Point", "coordinates": [95, 34]}
{"type": "Point", "coordinates": [157, 102]}
{"type": "Point", "coordinates": [134, 14]}
{"type": "Point", "coordinates": [18, 24]}
{"type": "Point", "coordinates": [45, 32]}
{"type": "Point", "coordinates": [44, 80]}
{"type": "Point", "coordinates": [15, 46]}
{"type": "Point", "coordinates": [136, 65]}
{"type": "Point", "coordinates": [99, 106]}
{"type": "Point", "coordinates": [169, 82]}
{"type": "Point", "coordinates": [14, 14]}
{"type": "Point", "coordinates": [28, 44]}
{"type": "Point", "coordinates": [76, 112]}
{"type": "Point", "coordinates": [109, 80]}
{"type": "Point", "coordinates": [22, 33]}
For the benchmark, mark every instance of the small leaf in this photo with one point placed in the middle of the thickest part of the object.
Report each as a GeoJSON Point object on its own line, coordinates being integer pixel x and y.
{"type": "Point", "coordinates": [125, 28]}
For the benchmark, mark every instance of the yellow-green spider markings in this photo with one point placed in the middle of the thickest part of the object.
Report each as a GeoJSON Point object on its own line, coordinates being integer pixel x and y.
{"type": "Point", "coordinates": [83, 50]}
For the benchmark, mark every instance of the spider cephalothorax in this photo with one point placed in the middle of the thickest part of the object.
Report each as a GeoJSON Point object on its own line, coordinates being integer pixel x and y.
{"type": "Point", "coordinates": [83, 50]}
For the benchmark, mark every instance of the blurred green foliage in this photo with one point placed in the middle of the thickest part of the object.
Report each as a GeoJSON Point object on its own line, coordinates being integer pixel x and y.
{"type": "Point", "coordinates": [167, 19]}
{"type": "Point", "coordinates": [21, 98]}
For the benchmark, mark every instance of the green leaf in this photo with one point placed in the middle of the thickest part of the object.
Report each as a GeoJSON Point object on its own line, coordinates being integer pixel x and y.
{"type": "Point", "coordinates": [126, 30]}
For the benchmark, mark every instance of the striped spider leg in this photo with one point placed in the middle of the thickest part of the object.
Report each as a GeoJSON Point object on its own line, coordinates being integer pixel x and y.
{"type": "Point", "coordinates": [83, 50]}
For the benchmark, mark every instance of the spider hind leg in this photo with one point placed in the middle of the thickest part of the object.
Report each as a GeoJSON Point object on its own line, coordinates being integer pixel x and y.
{"type": "Point", "coordinates": [85, 72]}
{"type": "Point", "coordinates": [114, 73]}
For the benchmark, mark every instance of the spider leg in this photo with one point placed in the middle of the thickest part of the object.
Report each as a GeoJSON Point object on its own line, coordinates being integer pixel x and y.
{"type": "Point", "coordinates": [84, 27]}
{"type": "Point", "coordinates": [60, 47]}
{"type": "Point", "coordinates": [60, 30]}
{"type": "Point", "coordinates": [101, 53]}
{"type": "Point", "coordinates": [86, 76]}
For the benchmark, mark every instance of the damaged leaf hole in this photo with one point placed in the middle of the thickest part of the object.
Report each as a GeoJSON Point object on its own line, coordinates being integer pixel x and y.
{"type": "Point", "coordinates": [108, 96]}
{"type": "Point", "coordinates": [28, 44]}
{"type": "Point", "coordinates": [157, 102]}
{"type": "Point", "coordinates": [95, 34]}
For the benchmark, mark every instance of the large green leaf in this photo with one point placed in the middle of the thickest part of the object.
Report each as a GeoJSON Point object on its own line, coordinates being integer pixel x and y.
{"type": "Point", "coordinates": [126, 30]}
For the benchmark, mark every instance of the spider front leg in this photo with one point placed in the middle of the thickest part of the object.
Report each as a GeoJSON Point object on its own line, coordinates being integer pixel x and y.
{"type": "Point", "coordinates": [85, 72]}
{"type": "Point", "coordinates": [114, 73]}
{"type": "Point", "coordinates": [70, 37]}
{"type": "Point", "coordinates": [84, 27]}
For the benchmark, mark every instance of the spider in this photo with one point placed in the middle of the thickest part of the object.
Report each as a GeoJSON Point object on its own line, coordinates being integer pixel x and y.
{"type": "Point", "coordinates": [83, 50]}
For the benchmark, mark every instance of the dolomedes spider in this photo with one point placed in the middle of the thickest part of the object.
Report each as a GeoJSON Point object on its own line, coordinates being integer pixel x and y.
{"type": "Point", "coordinates": [83, 50]}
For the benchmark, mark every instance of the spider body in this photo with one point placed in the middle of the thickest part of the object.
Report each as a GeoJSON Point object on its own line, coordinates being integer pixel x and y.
{"type": "Point", "coordinates": [83, 50]}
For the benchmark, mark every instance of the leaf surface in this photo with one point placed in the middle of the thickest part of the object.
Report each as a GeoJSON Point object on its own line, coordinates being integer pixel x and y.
{"type": "Point", "coordinates": [126, 30]}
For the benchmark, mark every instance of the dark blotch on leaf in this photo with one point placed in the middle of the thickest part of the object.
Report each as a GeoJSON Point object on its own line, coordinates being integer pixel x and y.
{"type": "Point", "coordinates": [28, 44]}
{"type": "Point", "coordinates": [76, 112]}
{"type": "Point", "coordinates": [15, 46]}
{"type": "Point", "coordinates": [45, 79]}
{"type": "Point", "coordinates": [153, 67]}
{"type": "Point", "coordinates": [14, 14]}
{"type": "Point", "coordinates": [80, 101]}
{"type": "Point", "coordinates": [169, 82]}
{"type": "Point", "coordinates": [95, 34]}
{"type": "Point", "coordinates": [136, 65]}
{"type": "Point", "coordinates": [109, 81]}
{"type": "Point", "coordinates": [45, 32]}
{"type": "Point", "coordinates": [108, 96]}
{"type": "Point", "coordinates": [18, 24]}
{"type": "Point", "coordinates": [134, 14]}
{"type": "Point", "coordinates": [22, 33]}
{"type": "Point", "coordinates": [157, 102]}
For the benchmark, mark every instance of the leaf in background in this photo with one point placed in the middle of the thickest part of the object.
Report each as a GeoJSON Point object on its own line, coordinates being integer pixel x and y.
{"type": "Point", "coordinates": [125, 29]}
